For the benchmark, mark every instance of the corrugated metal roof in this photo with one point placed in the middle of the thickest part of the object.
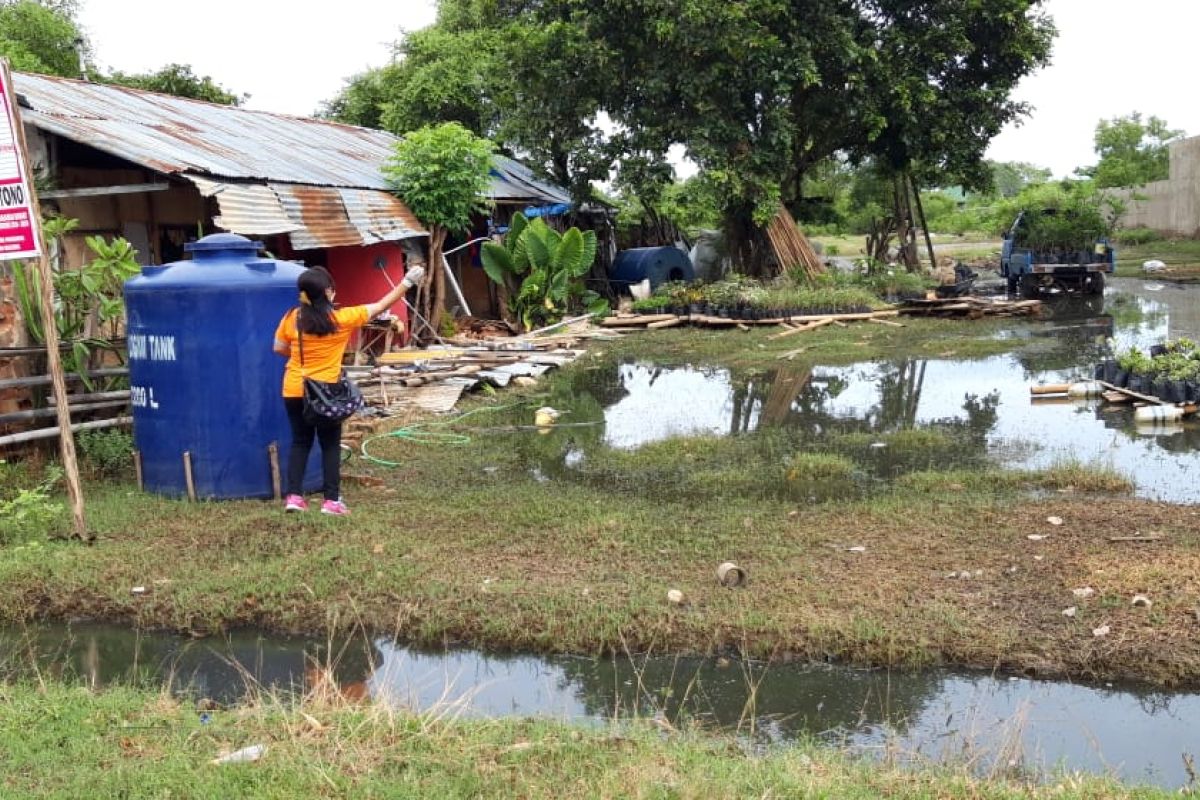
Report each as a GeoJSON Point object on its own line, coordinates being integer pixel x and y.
{"type": "Point", "coordinates": [380, 216]}
{"type": "Point", "coordinates": [246, 208]}
{"type": "Point", "coordinates": [176, 135]}
{"type": "Point", "coordinates": [312, 216]}
{"type": "Point", "coordinates": [319, 182]}
{"type": "Point", "coordinates": [513, 182]}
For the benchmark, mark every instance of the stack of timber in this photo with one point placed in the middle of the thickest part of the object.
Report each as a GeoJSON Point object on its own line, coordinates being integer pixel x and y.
{"type": "Point", "coordinates": [794, 324]}
{"type": "Point", "coordinates": [972, 307]}
{"type": "Point", "coordinates": [434, 379]}
{"type": "Point", "coordinates": [791, 246]}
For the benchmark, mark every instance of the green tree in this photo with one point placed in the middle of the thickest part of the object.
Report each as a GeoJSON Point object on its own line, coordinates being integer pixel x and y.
{"type": "Point", "coordinates": [531, 86]}
{"type": "Point", "coordinates": [440, 173]}
{"type": "Point", "coordinates": [1131, 152]}
{"type": "Point", "coordinates": [178, 80]}
{"type": "Point", "coordinates": [42, 38]}
{"type": "Point", "coordinates": [761, 92]}
{"type": "Point", "coordinates": [1010, 177]}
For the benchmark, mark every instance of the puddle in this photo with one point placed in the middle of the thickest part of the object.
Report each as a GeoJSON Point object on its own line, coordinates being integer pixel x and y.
{"type": "Point", "coordinates": [1136, 733]}
{"type": "Point", "coordinates": [894, 417]}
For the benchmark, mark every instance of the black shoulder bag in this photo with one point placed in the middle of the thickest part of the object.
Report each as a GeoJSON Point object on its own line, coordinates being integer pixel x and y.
{"type": "Point", "coordinates": [327, 403]}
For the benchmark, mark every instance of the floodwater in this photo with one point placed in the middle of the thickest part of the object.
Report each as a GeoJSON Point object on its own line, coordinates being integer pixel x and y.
{"type": "Point", "coordinates": [982, 407]}
{"type": "Point", "coordinates": [993, 723]}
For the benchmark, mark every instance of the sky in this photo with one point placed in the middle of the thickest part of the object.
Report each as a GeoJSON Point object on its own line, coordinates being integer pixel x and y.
{"type": "Point", "coordinates": [1111, 57]}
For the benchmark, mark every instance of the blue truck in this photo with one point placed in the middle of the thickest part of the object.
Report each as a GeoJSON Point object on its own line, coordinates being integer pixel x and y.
{"type": "Point", "coordinates": [1071, 270]}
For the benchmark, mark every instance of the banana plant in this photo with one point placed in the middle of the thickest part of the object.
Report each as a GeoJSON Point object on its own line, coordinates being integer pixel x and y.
{"type": "Point", "coordinates": [543, 271]}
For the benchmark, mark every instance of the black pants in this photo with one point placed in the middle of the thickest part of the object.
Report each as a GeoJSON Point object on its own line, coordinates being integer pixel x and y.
{"type": "Point", "coordinates": [330, 437]}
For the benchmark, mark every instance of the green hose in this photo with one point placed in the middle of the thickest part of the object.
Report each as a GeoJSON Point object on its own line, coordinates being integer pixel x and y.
{"type": "Point", "coordinates": [419, 433]}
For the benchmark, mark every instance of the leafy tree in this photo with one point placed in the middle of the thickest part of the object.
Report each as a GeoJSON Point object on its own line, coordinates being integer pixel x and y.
{"type": "Point", "coordinates": [361, 101]}
{"type": "Point", "coordinates": [41, 37]}
{"type": "Point", "coordinates": [178, 80]}
{"type": "Point", "coordinates": [443, 76]}
{"type": "Point", "coordinates": [1010, 177]}
{"type": "Point", "coordinates": [761, 92]}
{"type": "Point", "coordinates": [1132, 152]}
{"type": "Point", "coordinates": [532, 87]}
{"type": "Point", "coordinates": [440, 173]}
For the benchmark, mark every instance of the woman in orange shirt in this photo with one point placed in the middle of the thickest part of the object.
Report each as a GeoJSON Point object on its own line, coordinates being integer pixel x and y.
{"type": "Point", "coordinates": [326, 332]}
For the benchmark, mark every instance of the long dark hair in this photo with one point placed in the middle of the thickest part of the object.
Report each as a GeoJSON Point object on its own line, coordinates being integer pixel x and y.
{"type": "Point", "coordinates": [316, 310]}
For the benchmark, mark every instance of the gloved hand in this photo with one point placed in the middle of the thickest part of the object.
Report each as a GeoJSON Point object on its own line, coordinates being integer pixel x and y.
{"type": "Point", "coordinates": [413, 277]}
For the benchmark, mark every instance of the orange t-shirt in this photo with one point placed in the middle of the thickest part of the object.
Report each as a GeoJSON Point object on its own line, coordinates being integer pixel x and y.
{"type": "Point", "coordinates": [322, 354]}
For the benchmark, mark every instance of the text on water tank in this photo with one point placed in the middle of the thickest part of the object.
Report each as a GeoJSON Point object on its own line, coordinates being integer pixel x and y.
{"type": "Point", "coordinates": [147, 347]}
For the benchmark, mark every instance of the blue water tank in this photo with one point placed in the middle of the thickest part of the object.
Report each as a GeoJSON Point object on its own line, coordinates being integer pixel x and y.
{"type": "Point", "coordinates": [659, 264]}
{"type": "Point", "coordinates": [203, 377]}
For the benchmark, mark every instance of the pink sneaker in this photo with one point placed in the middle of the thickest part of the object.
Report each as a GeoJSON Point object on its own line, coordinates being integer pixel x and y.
{"type": "Point", "coordinates": [295, 502]}
{"type": "Point", "coordinates": [335, 508]}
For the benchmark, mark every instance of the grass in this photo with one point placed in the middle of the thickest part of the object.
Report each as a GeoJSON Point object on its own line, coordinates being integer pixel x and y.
{"type": "Point", "coordinates": [1182, 257]}
{"type": "Point", "coordinates": [58, 741]}
{"type": "Point", "coordinates": [500, 543]}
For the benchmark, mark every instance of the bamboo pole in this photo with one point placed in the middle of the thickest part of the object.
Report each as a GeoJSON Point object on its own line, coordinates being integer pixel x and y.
{"type": "Point", "coordinates": [42, 413]}
{"type": "Point", "coordinates": [276, 481]}
{"type": "Point", "coordinates": [42, 380]}
{"type": "Point", "coordinates": [50, 433]}
{"type": "Point", "coordinates": [66, 438]}
{"type": "Point", "coordinates": [95, 397]}
{"type": "Point", "coordinates": [188, 477]}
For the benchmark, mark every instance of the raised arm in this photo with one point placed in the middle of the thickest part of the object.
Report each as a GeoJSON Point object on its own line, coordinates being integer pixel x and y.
{"type": "Point", "coordinates": [411, 278]}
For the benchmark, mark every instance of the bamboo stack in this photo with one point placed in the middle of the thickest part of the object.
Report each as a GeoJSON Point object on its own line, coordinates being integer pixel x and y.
{"type": "Point", "coordinates": [791, 246]}
{"type": "Point", "coordinates": [972, 307]}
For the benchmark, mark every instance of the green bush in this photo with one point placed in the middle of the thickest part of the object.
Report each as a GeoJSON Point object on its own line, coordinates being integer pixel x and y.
{"type": "Point", "coordinates": [30, 512]}
{"type": "Point", "coordinates": [107, 452]}
{"type": "Point", "coordinates": [1132, 237]}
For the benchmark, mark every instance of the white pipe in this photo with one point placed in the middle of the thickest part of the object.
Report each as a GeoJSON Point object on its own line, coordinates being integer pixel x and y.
{"type": "Point", "coordinates": [450, 273]}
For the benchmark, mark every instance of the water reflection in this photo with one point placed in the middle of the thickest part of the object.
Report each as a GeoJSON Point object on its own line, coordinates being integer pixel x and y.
{"type": "Point", "coordinates": [892, 417]}
{"type": "Point", "coordinates": [1138, 733]}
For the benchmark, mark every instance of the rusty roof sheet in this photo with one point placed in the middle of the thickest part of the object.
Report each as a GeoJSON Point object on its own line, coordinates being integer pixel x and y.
{"type": "Point", "coordinates": [380, 216]}
{"type": "Point", "coordinates": [175, 135]}
{"type": "Point", "coordinates": [312, 216]}
{"type": "Point", "coordinates": [246, 208]}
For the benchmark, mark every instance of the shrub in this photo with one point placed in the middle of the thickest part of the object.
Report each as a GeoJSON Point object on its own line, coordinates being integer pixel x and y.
{"type": "Point", "coordinates": [1136, 236]}
{"type": "Point", "coordinates": [30, 512]}
{"type": "Point", "coordinates": [107, 452]}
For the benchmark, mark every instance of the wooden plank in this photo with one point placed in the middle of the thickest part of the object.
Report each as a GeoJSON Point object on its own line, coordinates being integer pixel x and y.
{"type": "Point", "coordinates": [667, 323]}
{"type": "Point", "coordinates": [846, 317]}
{"type": "Point", "coordinates": [1143, 397]}
{"type": "Point", "coordinates": [103, 191]}
{"type": "Point", "coordinates": [642, 319]}
{"type": "Point", "coordinates": [1149, 537]}
{"type": "Point", "coordinates": [886, 322]}
{"type": "Point", "coordinates": [412, 356]}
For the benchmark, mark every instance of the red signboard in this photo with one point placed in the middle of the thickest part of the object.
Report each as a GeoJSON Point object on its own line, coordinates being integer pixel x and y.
{"type": "Point", "coordinates": [19, 230]}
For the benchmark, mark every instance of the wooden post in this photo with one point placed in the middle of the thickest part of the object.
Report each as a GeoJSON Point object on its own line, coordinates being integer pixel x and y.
{"type": "Point", "coordinates": [188, 477]}
{"type": "Point", "coordinates": [276, 483]}
{"type": "Point", "coordinates": [137, 469]}
{"type": "Point", "coordinates": [66, 439]}
{"type": "Point", "coordinates": [924, 225]}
